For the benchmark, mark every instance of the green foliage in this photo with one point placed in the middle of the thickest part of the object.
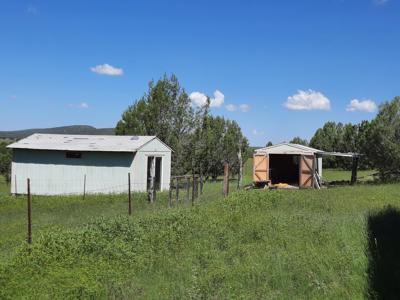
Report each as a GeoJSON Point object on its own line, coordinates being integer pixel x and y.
{"type": "Point", "coordinates": [165, 111]}
{"type": "Point", "coordinates": [217, 141]}
{"type": "Point", "coordinates": [383, 140]}
{"type": "Point", "coordinates": [299, 140]}
{"type": "Point", "coordinates": [338, 137]}
{"type": "Point", "coordinates": [377, 141]}
{"type": "Point", "coordinates": [268, 144]}
{"type": "Point", "coordinates": [255, 244]}
{"type": "Point", "coordinates": [201, 142]}
{"type": "Point", "coordinates": [5, 160]}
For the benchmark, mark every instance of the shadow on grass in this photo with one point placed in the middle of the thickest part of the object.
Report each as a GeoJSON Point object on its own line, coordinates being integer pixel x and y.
{"type": "Point", "coordinates": [384, 254]}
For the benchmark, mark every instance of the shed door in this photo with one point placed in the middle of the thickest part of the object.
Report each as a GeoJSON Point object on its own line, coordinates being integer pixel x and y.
{"type": "Point", "coordinates": [260, 168]}
{"type": "Point", "coordinates": [306, 170]}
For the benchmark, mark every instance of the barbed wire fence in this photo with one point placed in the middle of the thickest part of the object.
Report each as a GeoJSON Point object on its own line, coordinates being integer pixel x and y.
{"type": "Point", "coordinates": [183, 190]}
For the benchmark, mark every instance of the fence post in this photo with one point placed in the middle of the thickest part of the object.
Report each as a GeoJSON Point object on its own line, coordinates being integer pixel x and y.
{"type": "Point", "coordinates": [129, 195]}
{"type": "Point", "coordinates": [29, 211]}
{"type": "Point", "coordinates": [201, 184]}
{"type": "Point", "coordinates": [354, 170]}
{"type": "Point", "coordinates": [177, 190]}
{"type": "Point", "coordinates": [193, 189]}
{"type": "Point", "coordinates": [226, 180]}
{"type": "Point", "coordinates": [187, 189]}
{"type": "Point", "coordinates": [154, 190]}
{"type": "Point", "coordinates": [170, 193]}
{"type": "Point", "coordinates": [84, 187]}
{"type": "Point", "coordinates": [197, 186]}
{"type": "Point", "coordinates": [240, 174]}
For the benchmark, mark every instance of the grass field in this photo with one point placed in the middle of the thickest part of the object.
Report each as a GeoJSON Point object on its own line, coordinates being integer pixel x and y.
{"type": "Point", "coordinates": [339, 175]}
{"type": "Point", "coordinates": [254, 244]}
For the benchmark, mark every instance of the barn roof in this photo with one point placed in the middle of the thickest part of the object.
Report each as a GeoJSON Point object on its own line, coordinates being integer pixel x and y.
{"type": "Point", "coordinates": [102, 143]}
{"type": "Point", "coordinates": [288, 148]}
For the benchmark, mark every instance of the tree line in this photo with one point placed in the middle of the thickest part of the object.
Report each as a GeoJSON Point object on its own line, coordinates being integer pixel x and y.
{"type": "Point", "coordinates": [5, 159]}
{"type": "Point", "coordinates": [201, 142]}
{"type": "Point", "coordinates": [378, 141]}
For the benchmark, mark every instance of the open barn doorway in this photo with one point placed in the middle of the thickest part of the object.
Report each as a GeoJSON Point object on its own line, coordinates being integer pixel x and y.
{"type": "Point", "coordinates": [154, 169]}
{"type": "Point", "coordinates": [284, 168]}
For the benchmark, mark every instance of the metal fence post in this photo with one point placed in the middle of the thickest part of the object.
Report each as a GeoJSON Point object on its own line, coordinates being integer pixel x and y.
{"type": "Point", "coordinates": [129, 195]}
{"type": "Point", "coordinates": [84, 187]}
{"type": "Point", "coordinates": [29, 211]}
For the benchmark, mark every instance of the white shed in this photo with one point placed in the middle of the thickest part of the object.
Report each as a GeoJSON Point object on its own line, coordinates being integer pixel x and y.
{"type": "Point", "coordinates": [69, 164]}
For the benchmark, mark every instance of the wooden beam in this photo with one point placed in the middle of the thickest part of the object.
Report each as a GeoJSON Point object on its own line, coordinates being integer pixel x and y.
{"type": "Point", "coordinates": [354, 170]}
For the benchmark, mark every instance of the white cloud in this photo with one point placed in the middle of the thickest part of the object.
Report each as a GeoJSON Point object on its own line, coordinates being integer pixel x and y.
{"type": "Point", "coordinates": [82, 105]}
{"type": "Point", "coordinates": [363, 105]}
{"type": "Point", "coordinates": [231, 107]}
{"type": "Point", "coordinates": [218, 99]}
{"type": "Point", "coordinates": [107, 69]}
{"type": "Point", "coordinates": [244, 107]}
{"type": "Point", "coordinates": [308, 100]}
{"type": "Point", "coordinates": [257, 132]}
{"type": "Point", "coordinates": [200, 99]}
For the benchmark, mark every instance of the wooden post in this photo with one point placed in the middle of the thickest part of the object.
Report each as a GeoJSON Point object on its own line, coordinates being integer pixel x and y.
{"type": "Point", "coordinates": [240, 175]}
{"type": "Point", "coordinates": [193, 191]}
{"type": "Point", "coordinates": [154, 191]}
{"type": "Point", "coordinates": [84, 187]}
{"type": "Point", "coordinates": [187, 189]}
{"type": "Point", "coordinates": [196, 179]}
{"type": "Point", "coordinates": [29, 211]}
{"type": "Point", "coordinates": [170, 193]}
{"type": "Point", "coordinates": [354, 170]}
{"type": "Point", "coordinates": [129, 195]}
{"type": "Point", "coordinates": [226, 180]}
{"type": "Point", "coordinates": [201, 184]}
{"type": "Point", "coordinates": [177, 190]}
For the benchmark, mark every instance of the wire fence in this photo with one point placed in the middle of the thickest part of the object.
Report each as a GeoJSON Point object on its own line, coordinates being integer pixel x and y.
{"type": "Point", "coordinates": [105, 196]}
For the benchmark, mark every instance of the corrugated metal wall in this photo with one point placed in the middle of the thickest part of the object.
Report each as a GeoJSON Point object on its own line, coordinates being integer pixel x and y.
{"type": "Point", "coordinates": [51, 173]}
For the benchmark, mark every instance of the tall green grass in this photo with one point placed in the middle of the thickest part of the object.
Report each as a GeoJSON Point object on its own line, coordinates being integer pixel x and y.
{"type": "Point", "coordinates": [255, 244]}
{"type": "Point", "coordinates": [339, 175]}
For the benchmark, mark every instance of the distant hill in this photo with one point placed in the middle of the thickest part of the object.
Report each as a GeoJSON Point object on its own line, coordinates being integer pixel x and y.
{"type": "Point", "coordinates": [74, 129]}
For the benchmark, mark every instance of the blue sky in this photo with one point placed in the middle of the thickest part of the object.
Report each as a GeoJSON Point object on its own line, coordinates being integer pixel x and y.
{"type": "Point", "coordinates": [279, 68]}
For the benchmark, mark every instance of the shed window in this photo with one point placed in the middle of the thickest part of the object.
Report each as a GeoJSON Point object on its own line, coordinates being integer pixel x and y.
{"type": "Point", "coordinates": [73, 154]}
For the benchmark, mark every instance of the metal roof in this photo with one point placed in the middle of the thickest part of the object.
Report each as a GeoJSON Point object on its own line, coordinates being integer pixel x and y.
{"type": "Point", "coordinates": [105, 143]}
{"type": "Point", "coordinates": [287, 148]}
